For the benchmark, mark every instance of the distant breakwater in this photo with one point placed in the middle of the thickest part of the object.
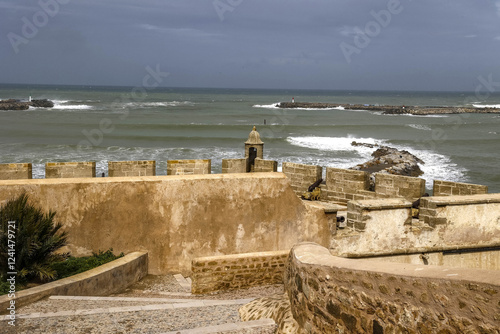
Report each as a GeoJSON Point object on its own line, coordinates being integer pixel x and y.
{"type": "Point", "coordinates": [391, 110]}
{"type": "Point", "coordinates": [12, 104]}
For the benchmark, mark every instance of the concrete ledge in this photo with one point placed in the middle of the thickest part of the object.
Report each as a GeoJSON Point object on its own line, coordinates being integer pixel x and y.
{"type": "Point", "coordinates": [436, 201]}
{"type": "Point", "coordinates": [103, 280]}
{"type": "Point", "coordinates": [329, 294]}
{"type": "Point", "coordinates": [262, 324]}
{"type": "Point", "coordinates": [380, 204]}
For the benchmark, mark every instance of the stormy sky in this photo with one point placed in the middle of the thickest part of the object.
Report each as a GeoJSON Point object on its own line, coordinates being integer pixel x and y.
{"type": "Point", "coordinates": [315, 44]}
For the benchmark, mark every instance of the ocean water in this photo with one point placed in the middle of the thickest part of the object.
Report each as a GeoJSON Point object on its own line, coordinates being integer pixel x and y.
{"type": "Point", "coordinates": [122, 123]}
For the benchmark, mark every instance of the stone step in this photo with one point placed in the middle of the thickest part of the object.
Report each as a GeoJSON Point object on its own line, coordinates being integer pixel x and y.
{"type": "Point", "coordinates": [183, 282]}
{"type": "Point", "coordinates": [172, 304]}
{"type": "Point", "coordinates": [263, 326]}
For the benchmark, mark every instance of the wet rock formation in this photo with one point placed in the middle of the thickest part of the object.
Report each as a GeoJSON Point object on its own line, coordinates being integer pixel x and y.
{"type": "Point", "coordinates": [12, 104]}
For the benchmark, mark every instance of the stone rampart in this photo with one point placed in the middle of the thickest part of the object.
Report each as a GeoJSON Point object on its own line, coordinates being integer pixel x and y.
{"type": "Point", "coordinates": [447, 188]}
{"type": "Point", "coordinates": [189, 167]}
{"type": "Point", "coordinates": [15, 171]}
{"type": "Point", "coordinates": [385, 227]}
{"type": "Point", "coordinates": [265, 166]}
{"type": "Point", "coordinates": [56, 170]}
{"type": "Point", "coordinates": [343, 185]}
{"type": "Point", "coordinates": [234, 166]}
{"type": "Point", "coordinates": [388, 185]}
{"type": "Point", "coordinates": [329, 294]}
{"type": "Point", "coordinates": [177, 218]}
{"type": "Point", "coordinates": [301, 176]}
{"type": "Point", "coordinates": [131, 168]}
{"type": "Point", "coordinates": [238, 271]}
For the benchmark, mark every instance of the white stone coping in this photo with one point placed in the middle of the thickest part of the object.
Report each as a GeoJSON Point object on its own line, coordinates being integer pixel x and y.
{"type": "Point", "coordinates": [435, 201]}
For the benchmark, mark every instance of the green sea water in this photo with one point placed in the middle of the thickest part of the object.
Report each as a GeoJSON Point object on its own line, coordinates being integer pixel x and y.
{"type": "Point", "coordinates": [121, 123]}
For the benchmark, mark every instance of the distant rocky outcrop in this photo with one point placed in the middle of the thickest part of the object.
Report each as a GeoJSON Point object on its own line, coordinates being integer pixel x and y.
{"type": "Point", "coordinates": [12, 104]}
{"type": "Point", "coordinates": [390, 161]}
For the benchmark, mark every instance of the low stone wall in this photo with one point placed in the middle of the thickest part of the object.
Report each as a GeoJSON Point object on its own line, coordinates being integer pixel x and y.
{"type": "Point", "coordinates": [447, 188]}
{"type": "Point", "coordinates": [189, 167]}
{"type": "Point", "coordinates": [238, 271]}
{"type": "Point", "coordinates": [15, 171]}
{"type": "Point", "coordinates": [301, 176]}
{"type": "Point", "coordinates": [344, 185]}
{"type": "Point", "coordinates": [131, 168]}
{"type": "Point", "coordinates": [330, 294]}
{"type": "Point", "coordinates": [176, 218]}
{"type": "Point", "coordinates": [389, 185]}
{"type": "Point", "coordinates": [234, 166]}
{"type": "Point", "coordinates": [109, 278]}
{"type": "Point", "coordinates": [265, 166]}
{"type": "Point", "coordinates": [56, 170]}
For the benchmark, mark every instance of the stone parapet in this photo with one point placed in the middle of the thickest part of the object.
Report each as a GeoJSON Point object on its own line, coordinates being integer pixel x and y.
{"type": "Point", "coordinates": [265, 166]}
{"type": "Point", "coordinates": [301, 176]}
{"type": "Point", "coordinates": [16, 171]}
{"type": "Point", "coordinates": [238, 271]}
{"type": "Point", "coordinates": [189, 167]}
{"type": "Point", "coordinates": [447, 188]}
{"type": "Point", "coordinates": [407, 187]}
{"type": "Point", "coordinates": [344, 185]}
{"type": "Point", "coordinates": [57, 170]}
{"type": "Point", "coordinates": [234, 166]}
{"type": "Point", "coordinates": [131, 168]}
{"type": "Point", "coordinates": [329, 294]}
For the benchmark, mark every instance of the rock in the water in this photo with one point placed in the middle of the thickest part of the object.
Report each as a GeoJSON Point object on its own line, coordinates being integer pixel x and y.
{"type": "Point", "coordinates": [12, 104]}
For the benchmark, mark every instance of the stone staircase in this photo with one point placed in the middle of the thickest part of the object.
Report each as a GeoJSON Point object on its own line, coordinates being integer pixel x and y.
{"type": "Point", "coordinates": [177, 312]}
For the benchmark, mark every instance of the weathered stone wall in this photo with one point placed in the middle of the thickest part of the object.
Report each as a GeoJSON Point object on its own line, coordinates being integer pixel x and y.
{"type": "Point", "coordinates": [189, 167]}
{"type": "Point", "coordinates": [265, 166]}
{"type": "Point", "coordinates": [234, 166]}
{"type": "Point", "coordinates": [330, 294]}
{"type": "Point", "coordinates": [385, 227]}
{"type": "Point", "coordinates": [301, 176]}
{"type": "Point", "coordinates": [343, 185]}
{"type": "Point", "coordinates": [238, 271]}
{"type": "Point", "coordinates": [15, 171]}
{"type": "Point", "coordinates": [131, 168]}
{"type": "Point", "coordinates": [389, 185]}
{"type": "Point", "coordinates": [177, 218]}
{"type": "Point", "coordinates": [56, 170]}
{"type": "Point", "coordinates": [447, 188]}
{"type": "Point", "coordinates": [112, 277]}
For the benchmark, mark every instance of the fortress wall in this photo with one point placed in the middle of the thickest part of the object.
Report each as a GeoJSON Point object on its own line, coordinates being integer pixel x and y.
{"type": "Point", "coordinates": [384, 226]}
{"type": "Point", "coordinates": [15, 171]}
{"type": "Point", "coordinates": [234, 166]}
{"type": "Point", "coordinates": [56, 170]}
{"type": "Point", "coordinates": [265, 166]}
{"type": "Point", "coordinates": [302, 176]}
{"type": "Point", "coordinates": [330, 294]}
{"type": "Point", "coordinates": [189, 167]}
{"type": "Point", "coordinates": [389, 185]}
{"type": "Point", "coordinates": [447, 188]}
{"type": "Point", "coordinates": [131, 168]}
{"type": "Point", "coordinates": [238, 271]}
{"type": "Point", "coordinates": [177, 218]}
{"type": "Point", "coordinates": [345, 184]}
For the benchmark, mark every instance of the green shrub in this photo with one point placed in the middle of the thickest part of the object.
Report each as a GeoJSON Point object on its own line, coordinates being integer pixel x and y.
{"type": "Point", "coordinates": [76, 265]}
{"type": "Point", "coordinates": [37, 238]}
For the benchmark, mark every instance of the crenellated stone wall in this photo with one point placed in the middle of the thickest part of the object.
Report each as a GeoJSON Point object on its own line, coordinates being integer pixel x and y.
{"type": "Point", "coordinates": [388, 185]}
{"type": "Point", "coordinates": [57, 170]}
{"type": "Point", "coordinates": [343, 185]}
{"type": "Point", "coordinates": [265, 166]}
{"type": "Point", "coordinates": [385, 226]}
{"type": "Point", "coordinates": [131, 168]}
{"type": "Point", "coordinates": [237, 271]}
{"type": "Point", "coordinates": [301, 176]}
{"type": "Point", "coordinates": [15, 171]}
{"type": "Point", "coordinates": [329, 294]}
{"type": "Point", "coordinates": [447, 188]}
{"type": "Point", "coordinates": [234, 166]}
{"type": "Point", "coordinates": [189, 167]}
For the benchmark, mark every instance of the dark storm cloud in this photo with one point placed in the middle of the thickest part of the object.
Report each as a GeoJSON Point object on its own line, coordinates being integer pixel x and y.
{"type": "Point", "coordinates": [330, 44]}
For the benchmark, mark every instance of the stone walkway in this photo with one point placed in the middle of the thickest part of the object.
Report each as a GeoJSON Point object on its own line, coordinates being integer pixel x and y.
{"type": "Point", "coordinates": [158, 304]}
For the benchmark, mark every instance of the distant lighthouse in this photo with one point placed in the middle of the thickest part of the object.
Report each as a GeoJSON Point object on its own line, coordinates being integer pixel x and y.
{"type": "Point", "coordinates": [293, 100]}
